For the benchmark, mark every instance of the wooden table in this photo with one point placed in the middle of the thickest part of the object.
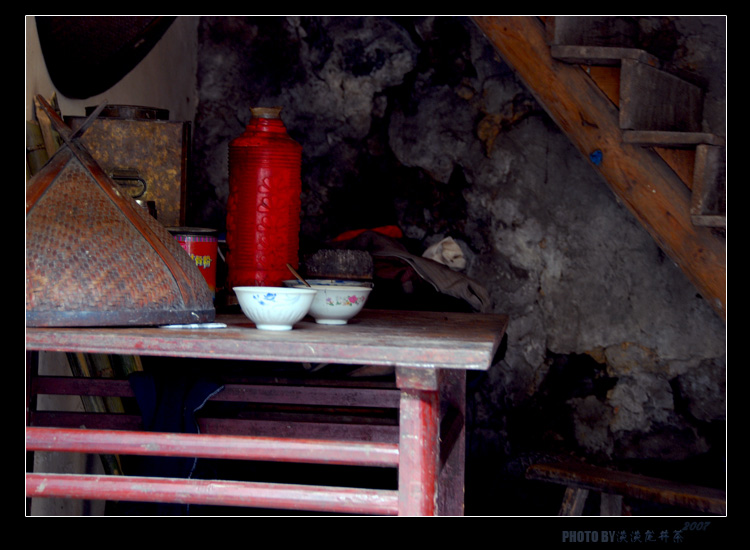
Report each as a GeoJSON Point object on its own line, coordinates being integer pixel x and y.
{"type": "Point", "coordinates": [431, 353]}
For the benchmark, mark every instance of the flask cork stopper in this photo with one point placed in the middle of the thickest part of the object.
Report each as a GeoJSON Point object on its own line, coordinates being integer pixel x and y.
{"type": "Point", "coordinates": [266, 112]}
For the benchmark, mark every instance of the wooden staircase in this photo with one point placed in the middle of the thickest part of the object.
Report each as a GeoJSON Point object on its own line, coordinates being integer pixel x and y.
{"type": "Point", "coordinates": [640, 125]}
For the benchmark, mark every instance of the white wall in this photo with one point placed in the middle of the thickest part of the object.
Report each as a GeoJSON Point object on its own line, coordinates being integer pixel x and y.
{"type": "Point", "coordinates": [166, 78]}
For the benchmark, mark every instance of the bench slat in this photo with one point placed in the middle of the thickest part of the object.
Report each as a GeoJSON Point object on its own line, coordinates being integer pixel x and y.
{"type": "Point", "coordinates": [584, 476]}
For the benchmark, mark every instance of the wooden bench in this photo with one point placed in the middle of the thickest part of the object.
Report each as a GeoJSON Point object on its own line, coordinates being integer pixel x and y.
{"type": "Point", "coordinates": [579, 479]}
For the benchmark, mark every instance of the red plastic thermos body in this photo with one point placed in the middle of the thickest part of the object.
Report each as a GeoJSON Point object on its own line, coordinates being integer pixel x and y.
{"type": "Point", "coordinates": [263, 210]}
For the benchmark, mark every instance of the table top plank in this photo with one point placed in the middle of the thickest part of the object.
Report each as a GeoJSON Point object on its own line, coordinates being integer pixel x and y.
{"type": "Point", "coordinates": [374, 337]}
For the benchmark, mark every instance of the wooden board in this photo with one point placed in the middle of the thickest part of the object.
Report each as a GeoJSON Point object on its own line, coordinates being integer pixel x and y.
{"type": "Point", "coordinates": [586, 477]}
{"type": "Point", "coordinates": [651, 99]}
{"type": "Point", "coordinates": [709, 204]}
{"type": "Point", "coordinates": [374, 337]}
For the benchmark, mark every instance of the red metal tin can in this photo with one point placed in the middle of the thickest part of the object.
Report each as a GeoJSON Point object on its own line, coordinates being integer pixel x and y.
{"type": "Point", "coordinates": [202, 245]}
{"type": "Point", "coordinates": [263, 210]}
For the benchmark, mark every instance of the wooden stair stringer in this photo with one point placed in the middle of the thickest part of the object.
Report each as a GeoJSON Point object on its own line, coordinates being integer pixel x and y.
{"type": "Point", "coordinates": [638, 176]}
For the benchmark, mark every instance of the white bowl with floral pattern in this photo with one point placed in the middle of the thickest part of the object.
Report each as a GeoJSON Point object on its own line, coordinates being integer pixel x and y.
{"type": "Point", "coordinates": [274, 308]}
{"type": "Point", "coordinates": [337, 300]}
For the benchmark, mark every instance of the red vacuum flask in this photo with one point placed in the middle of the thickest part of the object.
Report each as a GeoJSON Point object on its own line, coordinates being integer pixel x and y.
{"type": "Point", "coordinates": [263, 210]}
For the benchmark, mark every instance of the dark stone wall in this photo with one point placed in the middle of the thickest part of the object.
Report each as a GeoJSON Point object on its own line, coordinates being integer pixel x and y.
{"type": "Point", "coordinates": [416, 121]}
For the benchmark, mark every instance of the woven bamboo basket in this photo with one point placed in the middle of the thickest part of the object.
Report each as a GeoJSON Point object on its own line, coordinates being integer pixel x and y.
{"type": "Point", "coordinates": [94, 257]}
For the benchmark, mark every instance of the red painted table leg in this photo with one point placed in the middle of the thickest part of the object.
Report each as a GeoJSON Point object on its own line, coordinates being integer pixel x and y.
{"type": "Point", "coordinates": [418, 452]}
{"type": "Point", "coordinates": [432, 441]}
{"type": "Point", "coordinates": [418, 442]}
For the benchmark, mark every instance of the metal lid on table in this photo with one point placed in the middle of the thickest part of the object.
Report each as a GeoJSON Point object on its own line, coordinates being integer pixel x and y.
{"type": "Point", "coordinates": [199, 231]}
{"type": "Point", "coordinates": [131, 112]}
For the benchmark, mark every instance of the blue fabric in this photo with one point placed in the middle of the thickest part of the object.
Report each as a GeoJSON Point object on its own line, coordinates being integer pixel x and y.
{"type": "Point", "coordinates": [168, 401]}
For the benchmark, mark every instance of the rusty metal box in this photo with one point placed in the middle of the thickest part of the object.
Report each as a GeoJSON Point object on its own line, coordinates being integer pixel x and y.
{"type": "Point", "coordinates": [145, 153]}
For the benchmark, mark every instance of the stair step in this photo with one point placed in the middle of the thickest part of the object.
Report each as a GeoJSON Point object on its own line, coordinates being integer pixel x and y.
{"type": "Point", "coordinates": [603, 30]}
{"type": "Point", "coordinates": [708, 207]}
{"type": "Point", "coordinates": [670, 139]}
{"type": "Point", "coordinates": [652, 99]}
{"type": "Point", "coordinates": [601, 55]}
{"type": "Point", "coordinates": [644, 91]}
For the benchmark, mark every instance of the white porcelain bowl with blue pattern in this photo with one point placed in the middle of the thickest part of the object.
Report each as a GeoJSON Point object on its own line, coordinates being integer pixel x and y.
{"type": "Point", "coordinates": [337, 301]}
{"type": "Point", "coordinates": [274, 308]}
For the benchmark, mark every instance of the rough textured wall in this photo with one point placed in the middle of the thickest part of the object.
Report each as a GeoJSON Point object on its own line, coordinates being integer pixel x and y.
{"type": "Point", "coordinates": [417, 122]}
